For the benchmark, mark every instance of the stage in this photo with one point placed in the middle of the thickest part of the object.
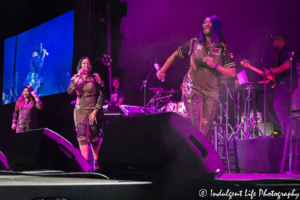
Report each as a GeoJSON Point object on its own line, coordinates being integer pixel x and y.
{"type": "Point", "coordinates": [161, 156]}
{"type": "Point", "coordinates": [228, 186]}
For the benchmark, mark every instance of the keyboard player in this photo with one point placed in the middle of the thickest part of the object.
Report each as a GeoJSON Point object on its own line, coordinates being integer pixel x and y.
{"type": "Point", "coordinates": [117, 97]}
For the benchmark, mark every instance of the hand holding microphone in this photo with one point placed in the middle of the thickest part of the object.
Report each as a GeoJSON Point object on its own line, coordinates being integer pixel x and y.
{"type": "Point", "coordinates": [81, 72]}
{"type": "Point", "coordinates": [159, 75]}
{"type": "Point", "coordinates": [45, 52]}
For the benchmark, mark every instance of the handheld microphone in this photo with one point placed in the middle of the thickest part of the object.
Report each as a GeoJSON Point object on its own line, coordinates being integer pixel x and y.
{"type": "Point", "coordinates": [81, 72]}
{"type": "Point", "coordinates": [158, 67]}
{"type": "Point", "coordinates": [46, 53]}
{"type": "Point", "coordinates": [269, 36]}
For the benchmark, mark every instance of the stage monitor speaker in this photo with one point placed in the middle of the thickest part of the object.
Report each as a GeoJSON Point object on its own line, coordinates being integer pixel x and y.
{"type": "Point", "coordinates": [3, 162]}
{"type": "Point", "coordinates": [43, 149]}
{"type": "Point", "coordinates": [163, 142]}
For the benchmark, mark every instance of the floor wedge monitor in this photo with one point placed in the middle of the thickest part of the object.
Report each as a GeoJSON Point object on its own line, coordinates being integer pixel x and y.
{"type": "Point", "coordinates": [43, 149]}
{"type": "Point", "coordinates": [165, 143]}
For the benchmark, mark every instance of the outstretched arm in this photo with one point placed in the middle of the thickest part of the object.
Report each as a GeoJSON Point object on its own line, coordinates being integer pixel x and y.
{"type": "Point", "coordinates": [171, 60]}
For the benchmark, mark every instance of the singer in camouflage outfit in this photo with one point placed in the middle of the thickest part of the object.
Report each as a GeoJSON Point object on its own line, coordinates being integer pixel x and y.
{"type": "Point", "coordinates": [209, 58]}
{"type": "Point", "coordinates": [88, 112]}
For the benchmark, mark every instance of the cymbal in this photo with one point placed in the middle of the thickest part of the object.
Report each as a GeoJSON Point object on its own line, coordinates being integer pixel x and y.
{"type": "Point", "coordinates": [160, 90]}
{"type": "Point", "coordinates": [171, 91]}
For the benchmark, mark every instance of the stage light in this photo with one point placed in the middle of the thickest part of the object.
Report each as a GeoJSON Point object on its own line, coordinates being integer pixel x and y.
{"type": "Point", "coordinates": [106, 60]}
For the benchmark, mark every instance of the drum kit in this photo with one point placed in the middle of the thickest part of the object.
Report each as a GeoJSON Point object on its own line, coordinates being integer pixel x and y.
{"type": "Point", "coordinates": [246, 126]}
{"type": "Point", "coordinates": [161, 102]}
{"type": "Point", "coordinates": [246, 122]}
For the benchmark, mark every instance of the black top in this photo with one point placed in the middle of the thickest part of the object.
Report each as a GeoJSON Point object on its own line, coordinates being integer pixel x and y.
{"type": "Point", "coordinates": [285, 77]}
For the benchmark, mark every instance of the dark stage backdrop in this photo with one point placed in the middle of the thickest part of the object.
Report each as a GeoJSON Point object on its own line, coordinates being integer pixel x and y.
{"type": "Point", "coordinates": [155, 29]}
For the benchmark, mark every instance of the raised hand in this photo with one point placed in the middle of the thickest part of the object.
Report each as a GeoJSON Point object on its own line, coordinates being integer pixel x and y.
{"type": "Point", "coordinates": [160, 76]}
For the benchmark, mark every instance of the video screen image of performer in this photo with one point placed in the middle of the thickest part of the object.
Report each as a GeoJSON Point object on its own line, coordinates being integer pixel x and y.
{"type": "Point", "coordinates": [281, 71]}
{"type": "Point", "coordinates": [117, 97]}
{"type": "Point", "coordinates": [36, 63]}
{"type": "Point", "coordinates": [88, 112]}
{"type": "Point", "coordinates": [209, 55]}
{"type": "Point", "coordinates": [25, 113]}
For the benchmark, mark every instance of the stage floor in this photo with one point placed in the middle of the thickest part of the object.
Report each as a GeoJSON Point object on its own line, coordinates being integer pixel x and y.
{"type": "Point", "coordinates": [255, 176]}
{"type": "Point", "coordinates": [229, 186]}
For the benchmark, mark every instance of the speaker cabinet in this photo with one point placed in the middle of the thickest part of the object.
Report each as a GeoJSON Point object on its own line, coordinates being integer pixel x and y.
{"type": "Point", "coordinates": [3, 162]}
{"type": "Point", "coordinates": [44, 149]}
{"type": "Point", "coordinates": [163, 142]}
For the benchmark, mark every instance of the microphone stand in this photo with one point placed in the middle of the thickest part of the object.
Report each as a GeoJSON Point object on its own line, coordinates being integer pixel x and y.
{"type": "Point", "coordinates": [291, 54]}
{"type": "Point", "coordinates": [265, 88]}
{"type": "Point", "coordinates": [145, 89]}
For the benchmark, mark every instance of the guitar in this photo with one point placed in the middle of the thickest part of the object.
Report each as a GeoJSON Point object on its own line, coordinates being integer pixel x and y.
{"type": "Point", "coordinates": [246, 64]}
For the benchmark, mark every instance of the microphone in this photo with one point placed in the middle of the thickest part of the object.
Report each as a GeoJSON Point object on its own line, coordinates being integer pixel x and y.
{"type": "Point", "coordinates": [46, 53]}
{"type": "Point", "coordinates": [158, 67]}
{"type": "Point", "coordinates": [81, 72]}
{"type": "Point", "coordinates": [269, 36]}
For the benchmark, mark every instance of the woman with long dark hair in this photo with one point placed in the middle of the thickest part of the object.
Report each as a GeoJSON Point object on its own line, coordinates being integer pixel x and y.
{"type": "Point", "coordinates": [27, 105]}
{"type": "Point", "coordinates": [209, 58]}
{"type": "Point", "coordinates": [88, 112]}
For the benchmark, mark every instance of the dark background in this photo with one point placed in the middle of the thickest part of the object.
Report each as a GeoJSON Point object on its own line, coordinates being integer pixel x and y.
{"type": "Point", "coordinates": [142, 31]}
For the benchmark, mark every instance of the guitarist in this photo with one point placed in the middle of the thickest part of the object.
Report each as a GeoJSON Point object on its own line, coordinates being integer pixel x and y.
{"type": "Point", "coordinates": [281, 70]}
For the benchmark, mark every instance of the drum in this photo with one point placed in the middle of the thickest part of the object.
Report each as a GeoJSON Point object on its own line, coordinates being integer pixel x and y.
{"type": "Point", "coordinates": [171, 107]}
{"type": "Point", "coordinates": [181, 107]}
{"type": "Point", "coordinates": [162, 109]}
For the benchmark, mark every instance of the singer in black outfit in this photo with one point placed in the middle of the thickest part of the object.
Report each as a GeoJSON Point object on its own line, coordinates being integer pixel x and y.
{"type": "Point", "coordinates": [36, 63]}
{"type": "Point", "coordinates": [281, 70]}
{"type": "Point", "coordinates": [209, 56]}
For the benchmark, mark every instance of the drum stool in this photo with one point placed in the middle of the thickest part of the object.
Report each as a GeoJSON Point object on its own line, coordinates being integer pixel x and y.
{"type": "Point", "coordinates": [216, 127]}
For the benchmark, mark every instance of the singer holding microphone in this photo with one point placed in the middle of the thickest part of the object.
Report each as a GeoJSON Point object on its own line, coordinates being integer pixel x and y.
{"type": "Point", "coordinates": [209, 57]}
{"type": "Point", "coordinates": [36, 63]}
{"type": "Point", "coordinates": [88, 112]}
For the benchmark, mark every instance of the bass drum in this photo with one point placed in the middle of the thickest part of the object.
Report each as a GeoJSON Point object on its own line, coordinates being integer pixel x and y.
{"type": "Point", "coordinates": [171, 107]}
{"type": "Point", "coordinates": [181, 107]}
{"type": "Point", "coordinates": [181, 110]}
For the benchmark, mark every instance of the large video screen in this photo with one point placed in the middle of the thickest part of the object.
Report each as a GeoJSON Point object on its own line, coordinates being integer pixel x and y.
{"type": "Point", "coordinates": [40, 57]}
